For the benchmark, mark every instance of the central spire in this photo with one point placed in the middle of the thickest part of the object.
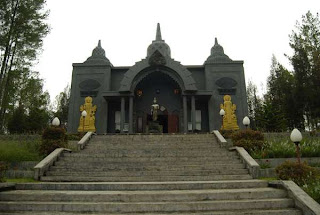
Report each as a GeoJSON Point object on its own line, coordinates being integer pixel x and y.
{"type": "Point", "coordinates": [159, 44]}
{"type": "Point", "coordinates": [158, 36]}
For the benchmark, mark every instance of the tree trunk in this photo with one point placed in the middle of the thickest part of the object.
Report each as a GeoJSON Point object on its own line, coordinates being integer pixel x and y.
{"type": "Point", "coordinates": [6, 56]}
{"type": "Point", "coordinates": [5, 94]}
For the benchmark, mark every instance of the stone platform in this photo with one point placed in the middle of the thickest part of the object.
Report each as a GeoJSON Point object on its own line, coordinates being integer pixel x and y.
{"type": "Point", "coordinates": [148, 174]}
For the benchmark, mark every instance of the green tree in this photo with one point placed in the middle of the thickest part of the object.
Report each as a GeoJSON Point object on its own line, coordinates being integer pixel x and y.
{"type": "Point", "coordinates": [270, 118]}
{"type": "Point", "coordinates": [22, 29]}
{"type": "Point", "coordinates": [305, 42]}
{"type": "Point", "coordinates": [37, 104]}
{"type": "Point", "coordinates": [280, 88]}
{"type": "Point", "coordinates": [30, 97]}
{"type": "Point", "coordinates": [62, 106]}
{"type": "Point", "coordinates": [17, 121]}
{"type": "Point", "coordinates": [254, 104]}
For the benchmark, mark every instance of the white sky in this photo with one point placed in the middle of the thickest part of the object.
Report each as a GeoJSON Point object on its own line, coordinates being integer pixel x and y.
{"type": "Point", "coordinates": [248, 30]}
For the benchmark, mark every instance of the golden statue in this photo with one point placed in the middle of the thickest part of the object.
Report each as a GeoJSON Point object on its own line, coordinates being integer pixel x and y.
{"type": "Point", "coordinates": [87, 123]}
{"type": "Point", "coordinates": [229, 118]}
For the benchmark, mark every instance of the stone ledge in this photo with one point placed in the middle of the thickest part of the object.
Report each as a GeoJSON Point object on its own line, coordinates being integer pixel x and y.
{"type": "Point", "coordinates": [251, 164]}
{"type": "Point", "coordinates": [7, 186]}
{"type": "Point", "coordinates": [42, 167]}
{"type": "Point", "coordinates": [220, 138]}
{"type": "Point", "coordinates": [301, 199]}
{"type": "Point", "coordinates": [19, 173]}
{"type": "Point", "coordinates": [274, 162]}
{"type": "Point", "coordinates": [84, 140]}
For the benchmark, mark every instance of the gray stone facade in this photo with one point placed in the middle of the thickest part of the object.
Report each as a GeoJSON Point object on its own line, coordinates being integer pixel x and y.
{"type": "Point", "coordinates": [189, 96]}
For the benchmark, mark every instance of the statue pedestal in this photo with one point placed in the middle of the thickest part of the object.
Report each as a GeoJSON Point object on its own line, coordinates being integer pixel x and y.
{"type": "Point", "coordinates": [154, 127]}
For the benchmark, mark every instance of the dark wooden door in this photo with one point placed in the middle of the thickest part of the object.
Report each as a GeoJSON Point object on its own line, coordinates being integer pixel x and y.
{"type": "Point", "coordinates": [173, 123]}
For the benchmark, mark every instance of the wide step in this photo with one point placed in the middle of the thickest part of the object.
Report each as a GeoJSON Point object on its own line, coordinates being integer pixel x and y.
{"type": "Point", "coordinates": [145, 178]}
{"type": "Point", "coordinates": [137, 207]}
{"type": "Point", "coordinates": [167, 185]}
{"type": "Point", "coordinates": [142, 196]}
{"type": "Point", "coordinates": [287, 211]}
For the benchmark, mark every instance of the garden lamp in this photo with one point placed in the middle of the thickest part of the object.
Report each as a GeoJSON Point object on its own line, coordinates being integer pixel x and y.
{"type": "Point", "coordinates": [83, 114]}
{"type": "Point", "coordinates": [246, 121]}
{"type": "Point", "coordinates": [296, 137]}
{"type": "Point", "coordinates": [222, 113]}
{"type": "Point", "coordinates": [55, 122]}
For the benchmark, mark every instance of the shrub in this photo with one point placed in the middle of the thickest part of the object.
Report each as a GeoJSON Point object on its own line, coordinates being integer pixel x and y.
{"type": "Point", "coordinates": [299, 173]}
{"type": "Point", "coordinates": [77, 136]}
{"type": "Point", "coordinates": [248, 139]}
{"type": "Point", "coordinates": [52, 138]}
{"type": "Point", "coordinates": [3, 168]}
{"type": "Point", "coordinates": [226, 133]}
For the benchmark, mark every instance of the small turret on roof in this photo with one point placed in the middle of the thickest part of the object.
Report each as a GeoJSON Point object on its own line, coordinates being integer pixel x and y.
{"type": "Point", "coordinates": [217, 54]}
{"type": "Point", "coordinates": [98, 55]}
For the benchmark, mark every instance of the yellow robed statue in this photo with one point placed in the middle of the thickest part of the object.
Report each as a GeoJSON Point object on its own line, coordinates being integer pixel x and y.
{"type": "Point", "coordinates": [230, 118]}
{"type": "Point", "coordinates": [87, 123]}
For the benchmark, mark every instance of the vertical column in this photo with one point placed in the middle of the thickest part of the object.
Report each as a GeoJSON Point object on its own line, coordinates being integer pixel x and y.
{"type": "Point", "coordinates": [104, 117]}
{"type": "Point", "coordinates": [185, 115]}
{"type": "Point", "coordinates": [122, 118]}
{"type": "Point", "coordinates": [193, 113]}
{"type": "Point", "coordinates": [107, 118]}
{"type": "Point", "coordinates": [131, 114]}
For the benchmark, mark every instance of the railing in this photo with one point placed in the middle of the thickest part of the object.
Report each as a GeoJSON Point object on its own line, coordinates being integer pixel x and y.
{"type": "Point", "coordinates": [301, 199]}
{"type": "Point", "coordinates": [251, 164]}
{"type": "Point", "coordinates": [41, 168]}
{"type": "Point", "coordinates": [84, 140]}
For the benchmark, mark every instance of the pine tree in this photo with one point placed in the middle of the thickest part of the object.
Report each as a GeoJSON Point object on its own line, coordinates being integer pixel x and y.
{"type": "Point", "coordinates": [305, 42]}
{"type": "Point", "coordinates": [254, 105]}
{"type": "Point", "coordinates": [280, 87]}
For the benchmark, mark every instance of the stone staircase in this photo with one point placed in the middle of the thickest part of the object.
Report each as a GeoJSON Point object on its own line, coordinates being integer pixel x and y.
{"type": "Point", "coordinates": [148, 174]}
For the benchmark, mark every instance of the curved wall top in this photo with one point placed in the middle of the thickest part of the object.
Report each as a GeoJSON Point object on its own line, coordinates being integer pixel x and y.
{"type": "Point", "coordinates": [173, 68]}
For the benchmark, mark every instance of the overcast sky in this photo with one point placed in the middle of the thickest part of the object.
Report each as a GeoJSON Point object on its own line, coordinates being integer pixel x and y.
{"type": "Point", "coordinates": [248, 30]}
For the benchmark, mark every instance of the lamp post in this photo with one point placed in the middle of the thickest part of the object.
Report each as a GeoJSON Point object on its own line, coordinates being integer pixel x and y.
{"type": "Point", "coordinates": [222, 113]}
{"type": "Point", "coordinates": [296, 137]}
{"type": "Point", "coordinates": [246, 121]}
{"type": "Point", "coordinates": [83, 114]}
{"type": "Point", "coordinates": [55, 122]}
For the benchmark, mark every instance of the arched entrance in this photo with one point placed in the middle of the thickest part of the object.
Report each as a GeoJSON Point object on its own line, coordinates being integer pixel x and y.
{"type": "Point", "coordinates": [167, 91]}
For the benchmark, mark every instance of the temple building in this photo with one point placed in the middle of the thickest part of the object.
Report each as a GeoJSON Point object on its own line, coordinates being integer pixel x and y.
{"type": "Point", "coordinates": [187, 98]}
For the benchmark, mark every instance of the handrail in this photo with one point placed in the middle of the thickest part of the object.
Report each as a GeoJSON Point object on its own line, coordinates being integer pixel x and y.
{"type": "Point", "coordinates": [251, 164]}
{"type": "Point", "coordinates": [220, 138]}
{"type": "Point", "coordinates": [301, 199]}
{"type": "Point", "coordinates": [84, 140]}
{"type": "Point", "coordinates": [42, 167]}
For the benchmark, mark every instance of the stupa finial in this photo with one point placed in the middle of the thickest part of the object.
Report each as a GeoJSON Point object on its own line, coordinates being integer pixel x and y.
{"type": "Point", "coordinates": [216, 41]}
{"type": "Point", "coordinates": [158, 36]}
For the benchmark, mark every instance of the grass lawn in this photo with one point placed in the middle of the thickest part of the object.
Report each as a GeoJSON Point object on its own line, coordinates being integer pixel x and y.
{"type": "Point", "coordinates": [20, 180]}
{"type": "Point", "coordinates": [15, 148]}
